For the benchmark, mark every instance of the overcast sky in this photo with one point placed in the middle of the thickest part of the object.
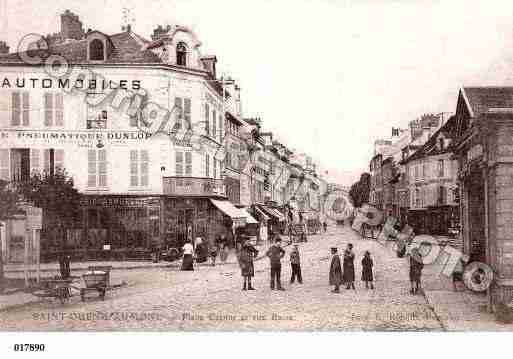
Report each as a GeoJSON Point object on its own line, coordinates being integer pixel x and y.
{"type": "Point", "coordinates": [327, 77]}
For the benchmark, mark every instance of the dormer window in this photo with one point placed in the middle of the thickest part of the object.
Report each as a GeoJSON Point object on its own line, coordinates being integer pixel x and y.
{"type": "Point", "coordinates": [96, 50]}
{"type": "Point", "coordinates": [181, 54]}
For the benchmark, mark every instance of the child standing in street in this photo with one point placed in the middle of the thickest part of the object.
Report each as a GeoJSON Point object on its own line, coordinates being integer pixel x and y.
{"type": "Point", "coordinates": [295, 264]}
{"type": "Point", "coordinates": [367, 265]}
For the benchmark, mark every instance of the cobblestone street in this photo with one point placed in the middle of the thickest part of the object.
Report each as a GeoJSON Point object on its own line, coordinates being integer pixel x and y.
{"type": "Point", "coordinates": [211, 298]}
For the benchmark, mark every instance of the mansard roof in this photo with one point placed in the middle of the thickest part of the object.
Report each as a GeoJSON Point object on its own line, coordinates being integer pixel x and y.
{"type": "Point", "coordinates": [127, 48]}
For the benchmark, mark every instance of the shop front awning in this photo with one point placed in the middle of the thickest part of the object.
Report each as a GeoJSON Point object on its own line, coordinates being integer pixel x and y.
{"type": "Point", "coordinates": [240, 216]}
{"type": "Point", "coordinates": [274, 213]}
{"type": "Point", "coordinates": [261, 214]}
{"type": "Point", "coordinates": [249, 217]}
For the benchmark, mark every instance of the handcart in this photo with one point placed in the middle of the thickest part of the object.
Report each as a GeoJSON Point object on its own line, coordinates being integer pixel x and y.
{"type": "Point", "coordinates": [97, 279]}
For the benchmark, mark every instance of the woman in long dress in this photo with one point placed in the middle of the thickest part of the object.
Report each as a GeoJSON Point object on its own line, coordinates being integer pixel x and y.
{"type": "Point", "coordinates": [335, 271]}
{"type": "Point", "coordinates": [367, 265]}
{"type": "Point", "coordinates": [187, 261]}
{"type": "Point", "coordinates": [349, 267]}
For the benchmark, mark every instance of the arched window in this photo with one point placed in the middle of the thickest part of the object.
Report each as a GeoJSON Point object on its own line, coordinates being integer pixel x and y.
{"type": "Point", "coordinates": [96, 50]}
{"type": "Point", "coordinates": [181, 54]}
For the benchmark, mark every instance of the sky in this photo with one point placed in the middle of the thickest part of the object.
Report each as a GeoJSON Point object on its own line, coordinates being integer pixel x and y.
{"type": "Point", "coordinates": [327, 77]}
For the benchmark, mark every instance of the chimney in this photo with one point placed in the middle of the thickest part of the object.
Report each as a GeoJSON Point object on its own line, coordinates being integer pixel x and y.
{"type": "Point", "coordinates": [209, 62]}
{"type": "Point", "coordinates": [4, 49]}
{"type": "Point", "coordinates": [71, 26]}
{"type": "Point", "coordinates": [160, 31]}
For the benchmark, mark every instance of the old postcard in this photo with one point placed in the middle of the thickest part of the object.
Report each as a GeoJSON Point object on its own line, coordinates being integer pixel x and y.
{"type": "Point", "coordinates": [255, 166]}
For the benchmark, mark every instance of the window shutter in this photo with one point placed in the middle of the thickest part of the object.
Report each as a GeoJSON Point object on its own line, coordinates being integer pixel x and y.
{"type": "Point", "coordinates": [4, 164]}
{"type": "Point", "coordinates": [35, 163]}
{"type": "Point", "coordinates": [16, 109]}
{"type": "Point", "coordinates": [179, 113]}
{"type": "Point", "coordinates": [102, 168]}
{"type": "Point", "coordinates": [145, 160]}
{"type": "Point", "coordinates": [207, 166]}
{"type": "Point", "coordinates": [26, 108]}
{"type": "Point", "coordinates": [59, 109]}
{"type": "Point", "coordinates": [48, 109]}
{"type": "Point", "coordinates": [58, 159]}
{"type": "Point", "coordinates": [134, 166]}
{"type": "Point", "coordinates": [187, 112]}
{"type": "Point", "coordinates": [188, 163]}
{"type": "Point", "coordinates": [220, 128]}
{"type": "Point", "coordinates": [214, 129]}
{"type": "Point", "coordinates": [207, 122]}
{"type": "Point", "coordinates": [179, 163]}
{"type": "Point", "coordinates": [46, 161]}
{"type": "Point", "coordinates": [92, 168]}
{"type": "Point", "coordinates": [214, 165]}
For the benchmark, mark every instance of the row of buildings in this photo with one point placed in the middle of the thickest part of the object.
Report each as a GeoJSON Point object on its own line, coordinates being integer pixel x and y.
{"type": "Point", "coordinates": [455, 172]}
{"type": "Point", "coordinates": [185, 163]}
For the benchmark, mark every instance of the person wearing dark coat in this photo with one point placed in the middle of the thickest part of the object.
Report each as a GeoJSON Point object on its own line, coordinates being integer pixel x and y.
{"type": "Point", "coordinates": [275, 254]}
{"type": "Point", "coordinates": [295, 265]}
{"type": "Point", "coordinates": [416, 266]}
{"type": "Point", "coordinates": [349, 267]}
{"type": "Point", "coordinates": [246, 256]}
{"type": "Point", "coordinates": [367, 265]}
{"type": "Point", "coordinates": [335, 271]}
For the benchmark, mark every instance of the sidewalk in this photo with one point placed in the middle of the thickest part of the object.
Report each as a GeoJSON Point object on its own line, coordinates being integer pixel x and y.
{"type": "Point", "coordinates": [463, 311]}
{"type": "Point", "coordinates": [53, 268]}
{"type": "Point", "coordinates": [20, 298]}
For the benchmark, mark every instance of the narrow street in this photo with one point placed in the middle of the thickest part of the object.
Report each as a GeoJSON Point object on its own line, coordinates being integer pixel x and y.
{"type": "Point", "coordinates": [212, 299]}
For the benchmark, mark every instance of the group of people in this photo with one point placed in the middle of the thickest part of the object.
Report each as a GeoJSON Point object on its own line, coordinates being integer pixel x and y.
{"type": "Point", "coordinates": [341, 272]}
{"type": "Point", "coordinates": [275, 253]}
{"type": "Point", "coordinates": [345, 274]}
{"type": "Point", "coordinates": [201, 251]}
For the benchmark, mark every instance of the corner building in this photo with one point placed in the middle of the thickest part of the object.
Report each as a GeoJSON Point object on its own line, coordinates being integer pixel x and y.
{"type": "Point", "coordinates": [140, 189]}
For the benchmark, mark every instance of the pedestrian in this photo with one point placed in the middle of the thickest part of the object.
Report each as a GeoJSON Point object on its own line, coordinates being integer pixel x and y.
{"type": "Point", "coordinates": [367, 265]}
{"type": "Point", "coordinates": [325, 226]}
{"type": "Point", "coordinates": [275, 254]}
{"type": "Point", "coordinates": [295, 265]}
{"type": "Point", "coordinates": [187, 260]}
{"type": "Point", "coordinates": [213, 248]}
{"type": "Point", "coordinates": [335, 271]}
{"type": "Point", "coordinates": [416, 266]}
{"type": "Point", "coordinates": [64, 265]}
{"type": "Point", "coordinates": [349, 267]}
{"type": "Point", "coordinates": [246, 256]}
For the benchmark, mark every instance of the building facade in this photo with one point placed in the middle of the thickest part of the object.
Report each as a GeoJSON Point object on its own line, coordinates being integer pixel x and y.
{"type": "Point", "coordinates": [147, 177]}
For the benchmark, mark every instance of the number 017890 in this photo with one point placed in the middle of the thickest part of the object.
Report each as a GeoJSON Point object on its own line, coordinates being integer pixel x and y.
{"type": "Point", "coordinates": [29, 347]}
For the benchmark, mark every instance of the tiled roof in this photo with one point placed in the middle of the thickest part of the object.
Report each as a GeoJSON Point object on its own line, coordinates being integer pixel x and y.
{"type": "Point", "coordinates": [127, 49]}
{"type": "Point", "coordinates": [480, 99]}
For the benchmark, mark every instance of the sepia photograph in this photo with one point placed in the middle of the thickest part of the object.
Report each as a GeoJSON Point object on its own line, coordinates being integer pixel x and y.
{"type": "Point", "coordinates": [190, 166]}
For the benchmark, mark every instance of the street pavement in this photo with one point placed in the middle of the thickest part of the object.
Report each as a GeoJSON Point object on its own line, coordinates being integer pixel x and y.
{"type": "Point", "coordinates": [210, 298]}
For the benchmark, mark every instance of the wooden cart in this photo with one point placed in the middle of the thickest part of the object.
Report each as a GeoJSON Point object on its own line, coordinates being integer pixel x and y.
{"type": "Point", "coordinates": [97, 279]}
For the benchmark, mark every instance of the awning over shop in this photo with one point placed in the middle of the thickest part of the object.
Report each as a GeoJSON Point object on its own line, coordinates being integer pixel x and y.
{"type": "Point", "coordinates": [238, 216]}
{"type": "Point", "coordinates": [249, 217]}
{"type": "Point", "coordinates": [261, 213]}
{"type": "Point", "coordinates": [273, 213]}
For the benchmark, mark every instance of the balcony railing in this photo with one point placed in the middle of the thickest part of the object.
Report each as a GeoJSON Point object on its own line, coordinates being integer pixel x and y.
{"type": "Point", "coordinates": [193, 186]}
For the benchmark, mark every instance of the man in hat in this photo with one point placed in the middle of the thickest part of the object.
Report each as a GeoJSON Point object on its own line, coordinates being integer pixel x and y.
{"type": "Point", "coordinates": [335, 271]}
{"type": "Point", "coordinates": [275, 254]}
